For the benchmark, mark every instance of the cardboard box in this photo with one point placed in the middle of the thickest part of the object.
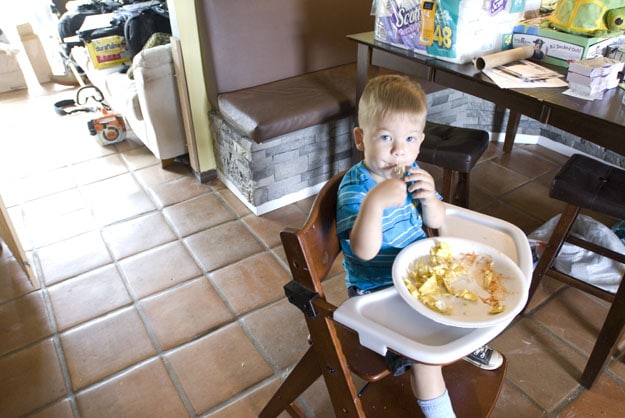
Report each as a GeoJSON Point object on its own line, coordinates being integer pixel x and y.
{"type": "Point", "coordinates": [452, 30]}
{"type": "Point", "coordinates": [108, 51]}
{"type": "Point", "coordinates": [11, 76]}
{"type": "Point", "coordinates": [559, 48]}
{"type": "Point", "coordinates": [35, 52]}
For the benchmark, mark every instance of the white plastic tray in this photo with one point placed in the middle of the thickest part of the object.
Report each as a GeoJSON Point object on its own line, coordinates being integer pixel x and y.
{"type": "Point", "coordinates": [384, 321]}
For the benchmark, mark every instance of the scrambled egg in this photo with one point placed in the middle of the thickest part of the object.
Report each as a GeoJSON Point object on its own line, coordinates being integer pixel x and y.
{"type": "Point", "coordinates": [434, 282]}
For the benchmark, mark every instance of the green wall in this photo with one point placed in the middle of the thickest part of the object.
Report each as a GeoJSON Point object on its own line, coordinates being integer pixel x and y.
{"type": "Point", "coordinates": [190, 43]}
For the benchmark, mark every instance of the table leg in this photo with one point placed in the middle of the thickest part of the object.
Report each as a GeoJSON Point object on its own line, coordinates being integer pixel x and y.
{"type": "Point", "coordinates": [513, 125]}
{"type": "Point", "coordinates": [363, 66]}
{"type": "Point", "coordinates": [363, 69]}
{"type": "Point", "coordinates": [7, 233]}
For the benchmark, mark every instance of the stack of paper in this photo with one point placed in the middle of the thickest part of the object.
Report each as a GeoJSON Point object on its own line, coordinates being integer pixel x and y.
{"type": "Point", "coordinates": [593, 76]}
{"type": "Point", "coordinates": [524, 74]}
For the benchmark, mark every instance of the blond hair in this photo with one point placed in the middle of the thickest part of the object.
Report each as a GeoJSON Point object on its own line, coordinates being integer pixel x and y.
{"type": "Point", "coordinates": [390, 94]}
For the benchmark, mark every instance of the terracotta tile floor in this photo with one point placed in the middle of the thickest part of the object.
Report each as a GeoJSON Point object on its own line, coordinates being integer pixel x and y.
{"type": "Point", "coordinates": [162, 297]}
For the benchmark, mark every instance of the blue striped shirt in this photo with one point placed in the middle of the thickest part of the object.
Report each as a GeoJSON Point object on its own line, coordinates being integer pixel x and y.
{"type": "Point", "coordinates": [401, 225]}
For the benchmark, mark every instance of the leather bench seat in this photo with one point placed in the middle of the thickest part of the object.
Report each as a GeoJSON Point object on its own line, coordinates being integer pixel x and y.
{"type": "Point", "coordinates": [455, 148]}
{"type": "Point", "coordinates": [270, 110]}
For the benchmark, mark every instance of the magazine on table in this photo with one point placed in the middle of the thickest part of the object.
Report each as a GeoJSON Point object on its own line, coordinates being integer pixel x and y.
{"type": "Point", "coordinates": [524, 74]}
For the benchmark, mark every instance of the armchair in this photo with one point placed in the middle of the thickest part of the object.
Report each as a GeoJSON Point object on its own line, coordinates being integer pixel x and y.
{"type": "Point", "coordinates": [149, 102]}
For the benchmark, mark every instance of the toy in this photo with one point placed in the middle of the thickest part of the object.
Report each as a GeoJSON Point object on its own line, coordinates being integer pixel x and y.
{"type": "Point", "coordinates": [589, 17]}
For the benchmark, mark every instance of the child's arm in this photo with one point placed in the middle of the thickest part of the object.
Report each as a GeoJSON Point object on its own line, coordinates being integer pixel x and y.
{"type": "Point", "coordinates": [423, 188]}
{"type": "Point", "coordinates": [366, 235]}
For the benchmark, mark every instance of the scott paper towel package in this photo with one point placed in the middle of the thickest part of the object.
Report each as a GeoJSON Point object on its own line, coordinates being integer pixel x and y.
{"type": "Point", "coordinates": [452, 30]}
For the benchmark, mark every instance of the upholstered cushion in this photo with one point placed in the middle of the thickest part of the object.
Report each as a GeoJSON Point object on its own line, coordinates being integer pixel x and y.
{"type": "Point", "coordinates": [591, 184]}
{"type": "Point", "coordinates": [453, 147]}
{"type": "Point", "coordinates": [156, 39]}
{"type": "Point", "coordinates": [270, 110]}
{"type": "Point", "coordinates": [249, 43]}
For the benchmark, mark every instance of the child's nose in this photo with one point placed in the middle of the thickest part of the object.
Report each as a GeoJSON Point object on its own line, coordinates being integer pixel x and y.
{"type": "Point", "coordinates": [398, 149]}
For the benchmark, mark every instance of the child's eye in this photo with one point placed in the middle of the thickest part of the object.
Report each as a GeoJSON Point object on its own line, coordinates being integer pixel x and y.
{"type": "Point", "coordinates": [411, 139]}
{"type": "Point", "coordinates": [386, 138]}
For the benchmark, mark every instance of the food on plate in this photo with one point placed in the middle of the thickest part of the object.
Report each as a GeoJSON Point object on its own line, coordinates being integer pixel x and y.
{"type": "Point", "coordinates": [443, 279]}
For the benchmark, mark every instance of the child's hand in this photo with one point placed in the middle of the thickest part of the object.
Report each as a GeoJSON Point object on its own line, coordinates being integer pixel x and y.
{"type": "Point", "coordinates": [366, 234]}
{"type": "Point", "coordinates": [421, 185]}
{"type": "Point", "coordinates": [389, 193]}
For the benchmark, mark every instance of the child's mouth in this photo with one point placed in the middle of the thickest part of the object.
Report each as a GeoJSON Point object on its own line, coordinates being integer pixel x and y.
{"type": "Point", "coordinates": [399, 170]}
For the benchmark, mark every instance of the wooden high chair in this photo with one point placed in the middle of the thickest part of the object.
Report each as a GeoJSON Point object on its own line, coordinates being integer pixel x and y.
{"type": "Point", "coordinates": [335, 351]}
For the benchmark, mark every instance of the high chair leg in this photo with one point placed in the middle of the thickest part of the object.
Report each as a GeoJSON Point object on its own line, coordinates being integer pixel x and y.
{"type": "Point", "coordinates": [301, 377]}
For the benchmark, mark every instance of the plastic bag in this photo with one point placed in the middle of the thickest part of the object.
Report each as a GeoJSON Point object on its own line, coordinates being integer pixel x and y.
{"type": "Point", "coordinates": [580, 263]}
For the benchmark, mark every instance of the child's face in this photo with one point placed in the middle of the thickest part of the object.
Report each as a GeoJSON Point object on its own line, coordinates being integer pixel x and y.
{"type": "Point", "coordinates": [392, 142]}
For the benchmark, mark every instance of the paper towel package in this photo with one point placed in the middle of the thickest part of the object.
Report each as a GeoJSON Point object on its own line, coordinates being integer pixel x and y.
{"type": "Point", "coordinates": [452, 30]}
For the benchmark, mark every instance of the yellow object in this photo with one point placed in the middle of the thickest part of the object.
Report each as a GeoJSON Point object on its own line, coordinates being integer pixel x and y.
{"type": "Point", "coordinates": [108, 51]}
{"type": "Point", "coordinates": [428, 14]}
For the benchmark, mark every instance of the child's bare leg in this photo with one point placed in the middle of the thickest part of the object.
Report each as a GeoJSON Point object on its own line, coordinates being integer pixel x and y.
{"type": "Point", "coordinates": [428, 386]}
{"type": "Point", "coordinates": [427, 381]}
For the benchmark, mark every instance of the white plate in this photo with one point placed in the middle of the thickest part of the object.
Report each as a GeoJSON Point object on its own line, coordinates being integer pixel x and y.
{"type": "Point", "coordinates": [464, 314]}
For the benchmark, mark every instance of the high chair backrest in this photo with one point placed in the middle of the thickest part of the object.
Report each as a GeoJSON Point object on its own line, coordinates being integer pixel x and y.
{"type": "Point", "coordinates": [311, 250]}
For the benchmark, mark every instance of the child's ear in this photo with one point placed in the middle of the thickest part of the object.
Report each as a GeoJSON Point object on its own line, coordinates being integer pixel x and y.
{"type": "Point", "coordinates": [359, 138]}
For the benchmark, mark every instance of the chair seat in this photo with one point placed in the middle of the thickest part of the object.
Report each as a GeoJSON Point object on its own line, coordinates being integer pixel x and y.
{"type": "Point", "coordinates": [455, 148]}
{"type": "Point", "coordinates": [591, 184]}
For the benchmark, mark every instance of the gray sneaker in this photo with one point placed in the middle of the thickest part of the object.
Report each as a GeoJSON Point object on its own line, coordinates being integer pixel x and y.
{"type": "Point", "coordinates": [485, 358]}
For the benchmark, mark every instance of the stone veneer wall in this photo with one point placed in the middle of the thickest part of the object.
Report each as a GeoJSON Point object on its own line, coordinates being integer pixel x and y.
{"type": "Point", "coordinates": [294, 166]}
{"type": "Point", "coordinates": [459, 109]}
{"type": "Point", "coordinates": [582, 145]}
{"type": "Point", "coordinates": [290, 167]}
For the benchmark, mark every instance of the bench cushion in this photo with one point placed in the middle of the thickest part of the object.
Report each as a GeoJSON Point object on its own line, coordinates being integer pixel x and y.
{"type": "Point", "coordinates": [247, 43]}
{"type": "Point", "coordinates": [270, 110]}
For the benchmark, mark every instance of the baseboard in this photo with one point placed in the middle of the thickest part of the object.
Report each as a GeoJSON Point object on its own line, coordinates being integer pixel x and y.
{"type": "Point", "coordinates": [518, 139]}
{"type": "Point", "coordinates": [550, 144]}
{"type": "Point", "coordinates": [538, 140]}
{"type": "Point", "coordinates": [206, 176]}
{"type": "Point", "coordinates": [558, 147]}
{"type": "Point", "coordinates": [273, 204]}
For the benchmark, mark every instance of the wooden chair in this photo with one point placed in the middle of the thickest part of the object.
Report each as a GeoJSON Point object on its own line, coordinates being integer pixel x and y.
{"type": "Point", "coordinates": [335, 351]}
{"type": "Point", "coordinates": [586, 183]}
{"type": "Point", "coordinates": [457, 150]}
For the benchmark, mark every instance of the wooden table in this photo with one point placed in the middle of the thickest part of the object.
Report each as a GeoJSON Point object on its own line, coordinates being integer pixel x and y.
{"type": "Point", "coordinates": [601, 121]}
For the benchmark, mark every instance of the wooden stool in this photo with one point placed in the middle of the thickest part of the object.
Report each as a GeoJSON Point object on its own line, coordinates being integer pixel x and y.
{"type": "Point", "coordinates": [457, 150]}
{"type": "Point", "coordinates": [585, 183]}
